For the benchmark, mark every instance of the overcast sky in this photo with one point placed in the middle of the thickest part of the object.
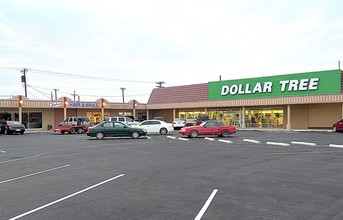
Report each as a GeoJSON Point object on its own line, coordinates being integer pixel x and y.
{"type": "Point", "coordinates": [133, 44]}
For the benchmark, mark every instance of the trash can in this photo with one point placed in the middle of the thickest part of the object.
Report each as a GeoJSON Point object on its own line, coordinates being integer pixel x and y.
{"type": "Point", "coordinates": [49, 127]}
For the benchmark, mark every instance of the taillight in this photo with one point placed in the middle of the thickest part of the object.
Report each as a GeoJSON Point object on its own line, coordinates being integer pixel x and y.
{"type": "Point", "coordinates": [9, 126]}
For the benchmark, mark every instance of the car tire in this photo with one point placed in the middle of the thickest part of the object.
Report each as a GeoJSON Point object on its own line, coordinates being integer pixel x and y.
{"type": "Point", "coordinates": [22, 132]}
{"type": "Point", "coordinates": [135, 135]}
{"type": "Point", "coordinates": [225, 133]}
{"type": "Point", "coordinates": [193, 134]}
{"type": "Point", "coordinates": [6, 131]}
{"type": "Point", "coordinates": [99, 135]}
{"type": "Point", "coordinates": [79, 130]}
{"type": "Point", "coordinates": [72, 131]}
{"type": "Point", "coordinates": [163, 131]}
{"type": "Point", "coordinates": [62, 132]}
{"type": "Point", "coordinates": [334, 129]}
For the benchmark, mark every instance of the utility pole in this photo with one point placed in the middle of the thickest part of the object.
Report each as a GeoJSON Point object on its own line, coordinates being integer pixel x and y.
{"type": "Point", "coordinates": [23, 80]}
{"type": "Point", "coordinates": [122, 94]}
{"type": "Point", "coordinates": [56, 94]}
{"type": "Point", "coordinates": [75, 95]}
{"type": "Point", "coordinates": [159, 84]}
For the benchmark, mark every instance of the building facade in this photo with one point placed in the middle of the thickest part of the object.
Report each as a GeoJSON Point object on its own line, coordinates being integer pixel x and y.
{"type": "Point", "coordinates": [292, 101]}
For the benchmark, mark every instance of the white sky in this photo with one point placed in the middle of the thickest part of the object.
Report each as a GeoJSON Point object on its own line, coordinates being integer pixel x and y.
{"type": "Point", "coordinates": [179, 42]}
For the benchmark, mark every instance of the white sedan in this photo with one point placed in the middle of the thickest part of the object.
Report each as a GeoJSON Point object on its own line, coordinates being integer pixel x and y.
{"type": "Point", "coordinates": [156, 126]}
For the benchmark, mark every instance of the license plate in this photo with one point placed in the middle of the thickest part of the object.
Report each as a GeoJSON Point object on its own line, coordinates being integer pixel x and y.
{"type": "Point", "coordinates": [17, 130]}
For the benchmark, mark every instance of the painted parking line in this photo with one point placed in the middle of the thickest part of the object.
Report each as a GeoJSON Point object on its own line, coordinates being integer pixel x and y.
{"type": "Point", "coordinates": [2, 151]}
{"type": "Point", "coordinates": [252, 141]}
{"type": "Point", "coordinates": [64, 198]}
{"type": "Point", "coordinates": [171, 137]}
{"type": "Point", "coordinates": [24, 158]}
{"type": "Point", "coordinates": [33, 174]}
{"type": "Point", "coordinates": [206, 205]}
{"type": "Point", "coordinates": [303, 143]}
{"type": "Point", "coordinates": [183, 139]}
{"type": "Point", "coordinates": [209, 139]}
{"type": "Point", "coordinates": [335, 145]}
{"type": "Point", "coordinates": [225, 141]}
{"type": "Point", "coordinates": [279, 144]}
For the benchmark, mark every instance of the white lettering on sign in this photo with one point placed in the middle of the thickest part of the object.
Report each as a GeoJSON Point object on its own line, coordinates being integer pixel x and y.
{"type": "Point", "coordinates": [245, 89]}
{"type": "Point", "coordinates": [299, 85]}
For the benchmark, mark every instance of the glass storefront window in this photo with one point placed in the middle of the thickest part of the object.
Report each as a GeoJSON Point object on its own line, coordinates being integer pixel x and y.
{"type": "Point", "coordinates": [264, 118]}
{"type": "Point", "coordinates": [30, 119]}
{"type": "Point", "coordinates": [227, 117]}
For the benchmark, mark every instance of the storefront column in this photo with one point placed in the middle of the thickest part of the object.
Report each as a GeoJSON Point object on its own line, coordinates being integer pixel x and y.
{"type": "Point", "coordinates": [174, 112]}
{"type": "Point", "coordinates": [147, 114]}
{"type": "Point", "coordinates": [243, 118]}
{"type": "Point", "coordinates": [65, 103]}
{"type": "Point", "coordinates": [205, 111]}
{"type": "Point", "coordinates": [288, 117]}
{"type": "Point", "coordinates": [20, 103]}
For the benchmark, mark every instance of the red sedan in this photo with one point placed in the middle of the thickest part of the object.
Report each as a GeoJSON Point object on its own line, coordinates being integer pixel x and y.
{"type": "Point", "coordinates": [208, 128]}
{"type": "Point", "coordinates": [338, 126]}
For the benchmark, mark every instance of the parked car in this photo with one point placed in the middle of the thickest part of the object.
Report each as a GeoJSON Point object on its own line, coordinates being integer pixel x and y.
{"type": "Point", "coordinates": [208, 128]}
{"type": "Point", "coordinates": [124, 119]}
{"type": "Point", "coordinates": [76, 121]}
{"type": "Point", "coordinates": [159, 118]}
{"type": "Point", "coordinates": [115, 129]}
{"type": "Point", "coordinates": [179, 123]}
{"type": "Point", "coordinates": [156, 126]}
{"type": "Point", "coordinates": [11, 127]}
{"type": "Point", "coordinates": [338, 126]}
{"type": "Point", "coordinates": [190, 120]}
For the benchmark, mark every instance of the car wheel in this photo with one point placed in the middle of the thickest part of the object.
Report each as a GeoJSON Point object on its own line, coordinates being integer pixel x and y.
{"type": "Point", "coordinates": [334, 129]}
{"type": "Point", "coordinates": [22, 132]}
{"type": "Point", "coordinates": [6, 131]}
{"type": "Point", "coordinates": [62, 132]}
{"type": "Point", "coordinates": [163, 131]}
{"type": "Point", "coordinates": [193, 134]}
{"type": "Point", "coordinates": [135, 135]}
{"type": "Point", "coordinates": [79, 130]}
{"type": "Point", "coordinates": [72, 131]}
{"type": "Point", "coordinates": [99, 135]}
{"type": "Point", "coordinates": [225, 133]}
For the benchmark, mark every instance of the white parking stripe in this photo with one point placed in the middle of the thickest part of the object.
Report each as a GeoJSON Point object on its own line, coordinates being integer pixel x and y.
{"type": "Point", "coordinates": [252, 141]}
{"type": "Point", "coordinates": [209, 139]}
{"type": "Point", "coordinates": [183, 139]}
{"type": "Point", "coordinates": [207, 204]}
{"type": "Point", "coordinates": [225, 141]}
{"type": "Point", "coordinates": [24, 158]}
{"type": "Point", "coordinates": [33, 174]}
{"type": "Point", "coordinates": [335, 145]}
{"type": "Point", "coordinates": [279, 144]}
{"type": "Point", "coordinates": [304, 143]}
{"type": "Point", "coordinates": [64, 198]}
{"type": "Point", "coordinates": [171, 137]}
{"type": "Point", "coordinates": [2, 151]}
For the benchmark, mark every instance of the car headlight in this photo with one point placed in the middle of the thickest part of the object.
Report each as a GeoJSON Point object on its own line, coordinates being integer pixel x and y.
{"type": "Point", "coordinates": [182, 129]}
{"type": "Point", "coordinates": [145, 131]}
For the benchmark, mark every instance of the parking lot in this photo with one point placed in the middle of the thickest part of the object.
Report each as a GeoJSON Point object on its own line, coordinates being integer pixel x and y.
{"type": "Point", "coordinates": [250, 175]}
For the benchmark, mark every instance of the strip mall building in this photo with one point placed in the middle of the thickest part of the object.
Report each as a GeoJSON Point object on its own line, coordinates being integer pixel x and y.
{"type": "Point", "coordinates": [293, 101]}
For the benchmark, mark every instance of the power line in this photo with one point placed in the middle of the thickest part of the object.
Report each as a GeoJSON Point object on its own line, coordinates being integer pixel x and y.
{"type": "Point", "coordinates": [85, 76]}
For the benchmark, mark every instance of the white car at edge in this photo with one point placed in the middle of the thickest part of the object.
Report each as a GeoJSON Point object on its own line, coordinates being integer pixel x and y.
{"type": "Point", "coordinates": [156, 126]}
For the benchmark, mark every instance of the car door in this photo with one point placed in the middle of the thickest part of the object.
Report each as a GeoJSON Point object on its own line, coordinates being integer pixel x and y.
{"type": "Point", "coordinates": [108, 129]}
{"type": "Point", "coordinates": [339, 125]}
{"type": "Point", "coordinates": [155, 126]}
{"type": "Point", "coordinates": [146, 125]}
{"type": "Point", "coordinates": [121, 130]}
{"type": "Point", "coordinates": [211, 128]}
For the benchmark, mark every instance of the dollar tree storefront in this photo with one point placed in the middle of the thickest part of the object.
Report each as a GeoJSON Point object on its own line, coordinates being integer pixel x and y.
{"type": "Point", "coordinates": [291, 101]}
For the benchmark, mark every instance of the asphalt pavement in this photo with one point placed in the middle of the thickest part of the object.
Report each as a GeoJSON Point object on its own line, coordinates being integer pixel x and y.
{"type": "Point", "coordinates": [250, 175]}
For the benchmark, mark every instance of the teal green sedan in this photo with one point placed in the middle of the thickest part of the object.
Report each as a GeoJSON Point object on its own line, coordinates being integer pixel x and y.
{"type": "Point", "coordinates": [115, 129]}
